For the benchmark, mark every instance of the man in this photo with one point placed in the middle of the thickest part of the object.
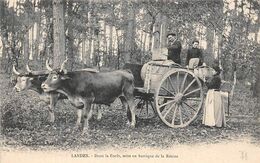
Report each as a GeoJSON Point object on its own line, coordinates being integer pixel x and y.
{"type": "Point", "coordinates": [174, 48]}
{"type": "Point", "coordinates": [194, 55]}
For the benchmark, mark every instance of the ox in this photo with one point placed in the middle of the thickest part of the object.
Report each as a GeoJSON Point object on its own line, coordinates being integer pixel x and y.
{"type": "Point", "coordinates": [87, 88]}
{"type": "Point", "coordinates": [33, 81]}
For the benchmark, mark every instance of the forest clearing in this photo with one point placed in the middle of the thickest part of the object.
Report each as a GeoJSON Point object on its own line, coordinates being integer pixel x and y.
{"type": "Point", "coordinates": [77, 41]}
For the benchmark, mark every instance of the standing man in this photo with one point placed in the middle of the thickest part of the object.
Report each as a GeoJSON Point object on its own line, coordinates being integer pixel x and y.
{"type": "Point", "coordinates": [194, 56]}
{"type": "Point", "coordinates": [174, 48]}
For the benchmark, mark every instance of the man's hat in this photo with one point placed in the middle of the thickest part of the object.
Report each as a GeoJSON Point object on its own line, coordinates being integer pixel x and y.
{"type": "Point", "coordinates": [171, 34]}
{"type": "Point", "coordinates": [195, 41]}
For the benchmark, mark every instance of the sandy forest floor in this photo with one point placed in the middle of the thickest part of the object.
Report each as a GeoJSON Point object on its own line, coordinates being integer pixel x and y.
{"type": "Point", "coordinates": [24, 125]}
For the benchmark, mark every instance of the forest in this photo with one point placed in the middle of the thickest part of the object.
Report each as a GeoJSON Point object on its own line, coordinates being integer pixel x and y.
{"type": "Point", "coordinates": [107, 34]}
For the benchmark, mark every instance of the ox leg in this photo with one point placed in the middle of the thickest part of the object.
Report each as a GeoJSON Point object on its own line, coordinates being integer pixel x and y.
{"type": "Point", "coordinates": [128, 93]}
{"type": "Point", "coordinates": [87, 115]}
{"type": "Point", "coordinates": [53, 102]}
{"type": "Point", "coordinates": [80, 115]}
{"type": "Point", "coordinates": [131, 107]}
{"type": "Point", "coordinates": [99, 112]}
{"type": "Point", "coordinates": [124, 102]}
{"type": "Point", "coordinates": [128, 112]}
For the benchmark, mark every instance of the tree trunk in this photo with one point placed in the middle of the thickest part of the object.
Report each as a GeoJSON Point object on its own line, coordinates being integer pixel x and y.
{"type": "Point", "coordinates": [248, 22]}
{"type": "Point", "coordinates": [96, 47]}
{"type": "Point", "coordinates": [144, 44]}
{"type": "Point", "coordinates": [89, 51]}
{"type": "Point", "coordinates": [2, 26]}
{"type": "Point", "coordinates": [210, 36]}
{"type": "Point", "coordinates": [163, 31]}
{"type": "Point", "coordinates": [110, 46]}
{"type": "Point", "coordinates": [59, 34]}
{"type": "Point", "coordinates": [38, 37]}
{"type": "Point", "coordinates": [26, 47]}
{"type": "Point", "coordinates": [90, 42]}
{"type": "Point", "coordinates": [129, 36]}
{"type": "Point", "coordinates": [117, 66]}
{"type": "Point", "coordinates": [156, 33]}
{"type": "Point", "coordinates": [151, 33]}
{"type": "Point", "coordinates": [104, 40]}
{"type": "Point", "coordinates": [256, 29]}
{"type": "Point", "coordinates": [70, 38]}
{"type": "Point", "coordinates": [91, 47]}
{"type": "Point", "coordinates": [84, 50]}
{"type": "Point", "coordinates": [257, 84]}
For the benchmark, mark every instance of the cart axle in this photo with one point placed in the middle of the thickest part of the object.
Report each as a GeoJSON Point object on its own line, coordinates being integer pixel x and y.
{"type": "Point", "coordinates": [178, 98]}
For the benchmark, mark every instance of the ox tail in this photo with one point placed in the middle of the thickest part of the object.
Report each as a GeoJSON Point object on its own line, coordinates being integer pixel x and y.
{"type": "Point", "coordinates": [128, 82]}
{"type": "Point", "coordinates": [130, 76]}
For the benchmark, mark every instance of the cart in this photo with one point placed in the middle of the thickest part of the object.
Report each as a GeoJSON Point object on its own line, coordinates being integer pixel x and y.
{"type": "Point", "coordinates": [167, 90]}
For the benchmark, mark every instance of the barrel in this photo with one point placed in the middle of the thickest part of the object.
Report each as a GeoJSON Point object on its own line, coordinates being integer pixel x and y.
{"type": "Point", "coordinates": [153, 71]}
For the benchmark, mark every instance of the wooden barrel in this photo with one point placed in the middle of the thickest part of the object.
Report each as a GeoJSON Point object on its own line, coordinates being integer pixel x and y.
{"type": "Point", "coordinates": [153, 71]}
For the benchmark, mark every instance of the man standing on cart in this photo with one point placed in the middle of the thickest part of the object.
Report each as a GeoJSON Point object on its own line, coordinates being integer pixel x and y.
{"type": "Point", "coordinates": [194, 56]}
{"type": "Point", "coordinates": [174, 48]}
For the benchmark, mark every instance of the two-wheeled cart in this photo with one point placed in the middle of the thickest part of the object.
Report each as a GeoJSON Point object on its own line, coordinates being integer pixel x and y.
{"type": "Point", "coordinates": [166, 89]}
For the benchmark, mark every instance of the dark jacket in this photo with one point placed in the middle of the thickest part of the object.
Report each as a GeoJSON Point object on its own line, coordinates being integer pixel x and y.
{"type": "Point", "coordinates": [174, 51]}
{"type": "Point", "coordinates": [194, 53]}
{"type": "Point", "coordinates": [215, 81]}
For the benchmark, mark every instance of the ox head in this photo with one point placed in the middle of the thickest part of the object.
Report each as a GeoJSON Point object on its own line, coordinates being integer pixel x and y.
{"type": "Point", "coordinates": [24, 80]}
{"type": "Point", "coordinates": [55, 78]}
{"type": "Point", "coordinates": [23, 83]}
{"type": "Point", "coordinates": [54, 81]}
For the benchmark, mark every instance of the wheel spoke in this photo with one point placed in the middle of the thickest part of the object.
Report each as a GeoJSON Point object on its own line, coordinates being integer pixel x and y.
{"type": "Point", "coordinates": [189, 106]}
{"type": "Point", "coordinates": [167, 97]}
{"type": "Point", "coordinates": [169, 80]}
{"type": "Point", "coordinates": [142, 107]}
{"type": "Point", "coordinates": [181, 120]}
{"type": "Point", "coordinates": [193, 99]}
{"type": "Point", "coordinates": [147, 109]}
{"type": "Point", "coordinates": [196, 90]}
{"type": "Point", "coordinates": [151, 105]}
{"type": "Point", "coordinates": [183, 82]}
{"type": "Point", "coordinates": [189, 85]}
{"type": "Point", "coordinates": [178, 82]}
{"type": "Point", "coordinates": [169, 109]}
{"type": "Point", "coordinates": [139, 102]}
{"type": "Point", "coordinates": [167, 103]}
{"type": "Point", "coordinates": [174, 114]}
{"type": "Point", "coordinates": [168, 90]}
{"type": "Point", "coordinates": [183, 111]}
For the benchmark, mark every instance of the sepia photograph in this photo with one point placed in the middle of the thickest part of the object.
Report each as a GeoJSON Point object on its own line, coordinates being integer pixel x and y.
{"type": "Point", "coordinates": [130, 81]}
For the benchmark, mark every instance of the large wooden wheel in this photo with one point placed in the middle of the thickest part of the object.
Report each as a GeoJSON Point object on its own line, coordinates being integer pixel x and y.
{"type": "Point", "coordinates": [178, 98]}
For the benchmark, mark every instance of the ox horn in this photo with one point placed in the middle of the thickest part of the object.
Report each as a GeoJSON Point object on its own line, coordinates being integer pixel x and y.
{"type": "Point", "coordinates": [47, 65]}
{"type": "Point", "coordinates": [62, 67]}
{"type": "Point", "coordinates": [15, 71]}
{"type": "Point", "coordinates": [28, 68]}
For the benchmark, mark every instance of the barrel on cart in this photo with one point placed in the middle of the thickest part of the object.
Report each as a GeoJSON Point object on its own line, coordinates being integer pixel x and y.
{"type": "Point", "coordinates": [168, 90]}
